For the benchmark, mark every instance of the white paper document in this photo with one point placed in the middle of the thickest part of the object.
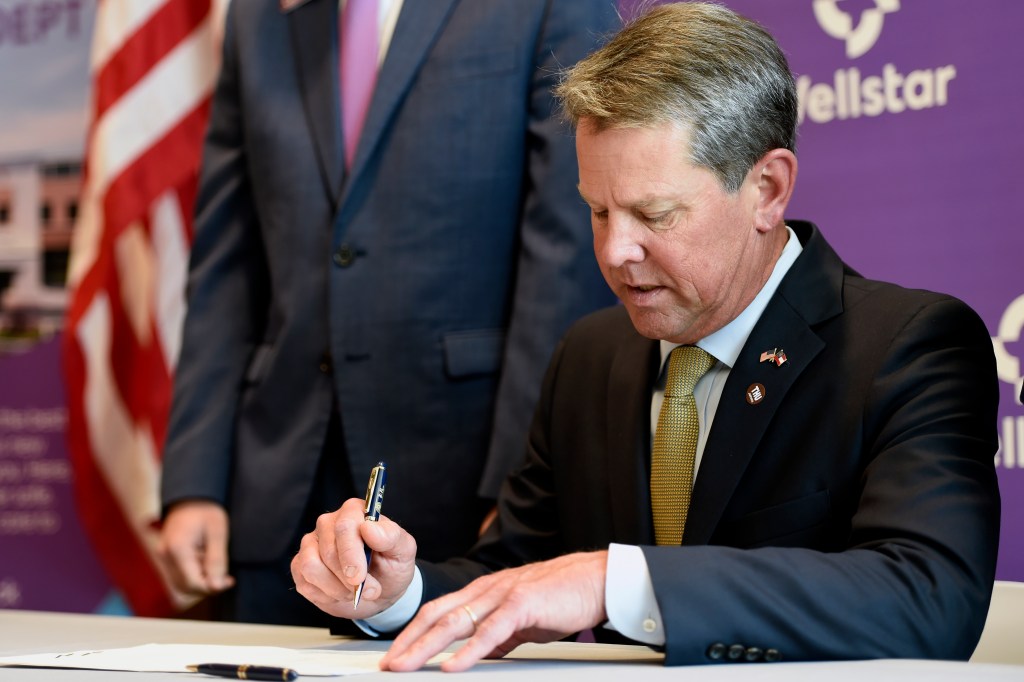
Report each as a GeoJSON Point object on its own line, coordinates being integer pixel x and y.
{"type": "Point", "coordinates": [177, 657]}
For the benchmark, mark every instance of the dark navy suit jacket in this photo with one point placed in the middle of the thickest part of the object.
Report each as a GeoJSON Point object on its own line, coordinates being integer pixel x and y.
{"type": "Point", "coordinates": [425, 288]}
{"type": "Point", "coordinates": [852, 513]}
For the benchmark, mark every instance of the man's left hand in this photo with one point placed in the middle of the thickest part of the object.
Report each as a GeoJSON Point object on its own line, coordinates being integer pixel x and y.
{"type": "Point", "coordinates": [539, 602]}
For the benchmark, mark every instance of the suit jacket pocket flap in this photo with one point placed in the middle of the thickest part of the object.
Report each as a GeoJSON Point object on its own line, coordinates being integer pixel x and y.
{"type": "Point", "coordinates": [468, 353]}
{"type": "Point", "coordinates": [772, 525]}
{"type": "Point", "coordinates": [471, 65]}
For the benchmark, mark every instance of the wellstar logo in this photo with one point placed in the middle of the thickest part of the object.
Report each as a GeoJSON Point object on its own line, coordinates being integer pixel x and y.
{"type": "Point", "coordinates": [839, 24]}
{"type": "Point", "coordinates": [852, 93]}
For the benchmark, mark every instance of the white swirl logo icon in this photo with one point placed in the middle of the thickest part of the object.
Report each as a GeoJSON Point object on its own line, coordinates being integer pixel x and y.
{"type": "Point", "coordinates": [1011, 331]}
{"type": "Point", "coordinates": [839, 24]}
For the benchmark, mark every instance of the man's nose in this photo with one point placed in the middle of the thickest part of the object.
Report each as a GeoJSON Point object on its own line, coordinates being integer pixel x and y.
{"type": "Point", "coordinates": [618, 243]}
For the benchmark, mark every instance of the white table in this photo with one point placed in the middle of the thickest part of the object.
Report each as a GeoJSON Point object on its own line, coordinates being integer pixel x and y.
{"type": "Point", "coordinates": [25, 632]}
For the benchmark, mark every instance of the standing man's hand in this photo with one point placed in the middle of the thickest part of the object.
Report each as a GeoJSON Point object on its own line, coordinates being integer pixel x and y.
{"type": "Point", "coordinates": [539, 602]}
{"type": "Point", "coordinates": [194, 545]}
{"type": "Point", "coordinates": [331, 562]}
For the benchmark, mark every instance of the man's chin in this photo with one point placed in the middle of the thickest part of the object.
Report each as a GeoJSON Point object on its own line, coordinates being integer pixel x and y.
{"type": "Point", "coordinates": [655, 325]}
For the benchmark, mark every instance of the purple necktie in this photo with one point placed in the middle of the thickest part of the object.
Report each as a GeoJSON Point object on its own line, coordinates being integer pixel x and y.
{"type": "Point", "coordinates": [358, 67]}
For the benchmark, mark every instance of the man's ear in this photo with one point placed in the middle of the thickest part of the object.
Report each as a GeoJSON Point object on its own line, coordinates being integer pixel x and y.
{"type": "Point", "coordinates": [775, 176]}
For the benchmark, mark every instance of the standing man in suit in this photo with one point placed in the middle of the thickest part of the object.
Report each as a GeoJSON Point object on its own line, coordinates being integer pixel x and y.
{"type": "Point", "coordinates": [378, 273]}
{"type": "Point", "coordinates": [843, 430]}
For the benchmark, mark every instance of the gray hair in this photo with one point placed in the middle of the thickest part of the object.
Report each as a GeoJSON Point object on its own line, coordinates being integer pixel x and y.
{"type": "Point", "coordinates": [698, 65]}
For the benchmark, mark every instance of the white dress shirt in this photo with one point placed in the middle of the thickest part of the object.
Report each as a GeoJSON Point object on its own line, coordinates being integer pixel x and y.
{"type": "Point", "coordinates": [629, 595]}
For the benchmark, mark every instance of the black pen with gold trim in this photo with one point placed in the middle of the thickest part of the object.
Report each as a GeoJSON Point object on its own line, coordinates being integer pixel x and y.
{"type": "Point", "coordinates": [371, 512]}
{"type": "Point", "coordinates": [244, 671]}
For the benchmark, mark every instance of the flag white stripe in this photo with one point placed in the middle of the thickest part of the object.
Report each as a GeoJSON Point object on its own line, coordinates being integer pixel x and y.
{"type": "Point", "coordinates": [170, 90]}
{"type": "Point", "coordinates": [124, 454]}
{"type": "Point", "coordinates": [85, 239]}
{"type": "Point", "coordinates": [171, 250]}
{"type": "Point", "coordinates": [116, 22]}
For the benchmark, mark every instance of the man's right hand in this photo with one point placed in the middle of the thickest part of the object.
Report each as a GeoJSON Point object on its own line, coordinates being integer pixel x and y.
{"type": "Point", "coordinates": [331, 562]}
{"type": "Point", "coordinates": [194, 545]}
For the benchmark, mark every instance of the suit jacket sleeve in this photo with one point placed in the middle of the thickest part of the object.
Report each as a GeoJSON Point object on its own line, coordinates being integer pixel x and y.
{"type": "Point", "coordinates": [914, 576]}
{"type": "Point", "coordinates": [227, 290]}
{"type": "Point", "coordinates": [557, 279]}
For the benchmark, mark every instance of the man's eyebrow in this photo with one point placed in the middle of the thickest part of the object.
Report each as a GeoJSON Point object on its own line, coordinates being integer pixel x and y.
{"type": "Point", "coordinates": [638, 205]}
{"type": "Point", "coordinates": [582, 195]}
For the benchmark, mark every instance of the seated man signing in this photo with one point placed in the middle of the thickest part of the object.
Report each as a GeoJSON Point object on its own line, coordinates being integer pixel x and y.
{"type": "Point", "coordinates": [842, 430]}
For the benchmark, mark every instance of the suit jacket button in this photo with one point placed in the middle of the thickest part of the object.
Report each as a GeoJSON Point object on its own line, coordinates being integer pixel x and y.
{"type": "Point", "coordinates": [326, 364]}
{"type": "Point", "coordinates": [716, 651]}
{"type": "Point", "coordinates": [344, 256]}
{"type": "Point", "coordinates": [753, 653]}
{"type": "Point", "coordinates": [772, 655]}
{"type": "Point", "coordinates": [736, 652]}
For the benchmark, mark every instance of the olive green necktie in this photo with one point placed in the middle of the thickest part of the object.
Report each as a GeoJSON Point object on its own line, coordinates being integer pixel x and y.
{"type": "Point", "coordinates": [675, 444]}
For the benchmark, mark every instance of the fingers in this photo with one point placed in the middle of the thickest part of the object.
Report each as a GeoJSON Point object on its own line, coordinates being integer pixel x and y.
{"type": "Point", "coordinates": [438, 624]}
{"type": "Point", "coordinates": [538, 602]}
{"type": "Point", "coordinates": [215, 557]}
{"type": "Point", "coordinates": [313, 578]}
{"type": "Point", "coordinates": [184, 567]}
{"type": "Point", "coordinates": [339, 544]}
{"type": "Point", "coordinates": [193, 545]}
{"type": "Point", "coordinates": [332, 562]}
{"type": "Point", "coordinates": [344, 535]}
{"type": "Point", "coordinates": [490, 640]}
{"type": "Point", "coordinates": [446, 620]}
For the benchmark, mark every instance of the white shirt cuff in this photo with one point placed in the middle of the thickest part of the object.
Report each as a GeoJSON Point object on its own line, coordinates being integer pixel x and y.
{"type": "Point", "coordinates": [398, 614]}
{"type": "Point", "coordinates": [629, 596]}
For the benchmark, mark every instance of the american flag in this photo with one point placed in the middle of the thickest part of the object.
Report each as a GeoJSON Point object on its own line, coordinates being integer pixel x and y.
{"type": "Point", "coordinates": [153, 67]}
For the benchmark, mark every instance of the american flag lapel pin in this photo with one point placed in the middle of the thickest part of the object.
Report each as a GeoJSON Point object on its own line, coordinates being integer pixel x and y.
{"type": "Point", "coordinates": [776, 355]}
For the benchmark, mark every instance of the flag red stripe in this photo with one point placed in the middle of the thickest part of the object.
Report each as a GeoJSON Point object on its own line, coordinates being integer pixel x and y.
{"type": "Point", "coordinates": [160, 34]}
{"type": "Point", "coordinates": [164, 165]}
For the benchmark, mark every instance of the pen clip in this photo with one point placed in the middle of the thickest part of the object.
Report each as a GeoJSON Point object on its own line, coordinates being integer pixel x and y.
{"type": "Point", "coordinates": [374, 491]}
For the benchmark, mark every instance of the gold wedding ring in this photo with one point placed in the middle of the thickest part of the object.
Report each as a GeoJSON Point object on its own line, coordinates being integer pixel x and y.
{"type": "Point", "coordinates": [472, 616]}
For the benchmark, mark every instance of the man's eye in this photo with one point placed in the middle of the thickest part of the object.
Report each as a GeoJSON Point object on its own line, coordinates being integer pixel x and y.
{"type": "Point", "coordinates": [599, 215]}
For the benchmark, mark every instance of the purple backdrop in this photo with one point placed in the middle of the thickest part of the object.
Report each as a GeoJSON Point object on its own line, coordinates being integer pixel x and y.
{"type": "Point", "coordinates": [45, 561]}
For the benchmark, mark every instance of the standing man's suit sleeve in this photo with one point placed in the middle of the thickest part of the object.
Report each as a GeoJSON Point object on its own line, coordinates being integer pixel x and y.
{"type": "Point", "coordinates": [557, 279]}
{"type": "Point", "coordinates": [227, 294]}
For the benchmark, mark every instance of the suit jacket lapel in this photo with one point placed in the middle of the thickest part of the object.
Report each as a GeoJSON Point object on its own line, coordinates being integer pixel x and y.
{"type": "Point", "coordinates": [811, 292]}
{"type": "Point", "coordinates": [315, 42]}
{"type": "Point", "coordinates": [419, 24]}
{"type": "Point", "coordinates": [738, 425]}
{"type": "Point", "coordinates": [633, 373]}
